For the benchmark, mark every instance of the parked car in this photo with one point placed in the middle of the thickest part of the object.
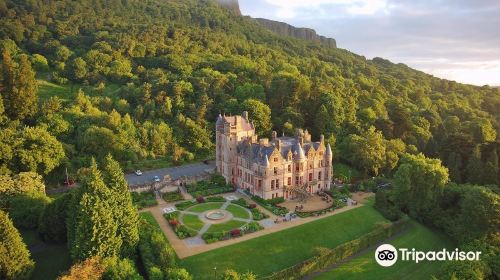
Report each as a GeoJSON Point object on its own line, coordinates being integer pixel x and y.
{"type": "Point", "coordinates": [156, 179]}
{"type": "Point", "coordinates": [138, 172]}
{"type": "Point", "coordinates": [69, 182]}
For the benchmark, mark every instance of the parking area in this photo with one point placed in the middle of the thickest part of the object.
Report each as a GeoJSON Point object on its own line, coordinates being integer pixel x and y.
{"type": "Point", "coordinates": [188, 170]}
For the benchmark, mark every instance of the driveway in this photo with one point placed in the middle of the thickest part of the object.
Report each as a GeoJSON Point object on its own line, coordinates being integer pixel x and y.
{"type": "Point", "coordinates": [174, 172]}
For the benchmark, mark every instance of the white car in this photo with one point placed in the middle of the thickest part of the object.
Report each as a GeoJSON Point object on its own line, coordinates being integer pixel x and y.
{"type": "Point", "coordinates": [138, 172]}
{"type": "Point", "coordinates": [156, 179]}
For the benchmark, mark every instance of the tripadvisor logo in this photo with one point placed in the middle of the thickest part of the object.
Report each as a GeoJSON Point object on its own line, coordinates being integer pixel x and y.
{"type": "Point", "coordinates": [387, 255]}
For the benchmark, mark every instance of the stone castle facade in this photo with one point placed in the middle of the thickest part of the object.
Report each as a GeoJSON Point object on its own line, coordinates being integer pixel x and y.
{"type": "Point", "coordinates": [285, 167]}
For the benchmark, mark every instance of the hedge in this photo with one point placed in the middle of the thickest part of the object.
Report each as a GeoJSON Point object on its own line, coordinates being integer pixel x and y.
{"type": "Point", "coordinates": [270, 204]}
{"type": "Point", "coordinates": [328, 257]}
{"type": "Point", "coordinates": [257, 215]}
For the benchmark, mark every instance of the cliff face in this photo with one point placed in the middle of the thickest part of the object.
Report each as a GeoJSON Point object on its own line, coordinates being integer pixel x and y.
{"type": "Point", "coordinates": [231, 5]}
{"type": "Point", "coordinates": [282, 28]}
{"type": "Point", "coordinates": [286, 29]}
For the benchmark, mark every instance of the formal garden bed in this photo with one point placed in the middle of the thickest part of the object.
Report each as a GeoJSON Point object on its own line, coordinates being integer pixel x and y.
{"type": "Point", "coordinates": [187, 223]}
{"type": "Point", "coordinates": [173, 196]}
{"type": "Point", "coordinates": [271, 204]}
{"type": "Point", "coordinates": [223, 232]}
{"type": "Point", "coordinates": [144, 199]}
{"type": "Point", "coordinates": [180, 230]}
{"type": "Point", "coordinates": [215, 185]}
{"type": "Point", "coordinates": [257, 215]}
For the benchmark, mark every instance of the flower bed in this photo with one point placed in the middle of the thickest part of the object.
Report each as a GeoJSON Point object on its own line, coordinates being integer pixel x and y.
{"type": "Point", "coordinates": [172, 196]}
{"type": "Point", "coordinates": [216, 185]}
{"type": "Point", "coordinates": [257, 215]}
{"type": "Point", "coordinates": [180, 230]}
{"type": "Point", "coordinates": [270, 205]}
{"type": "Point", "coordinates": [212, 237]}
{"type": "Point", "coordinates": [215, 199]}
{"type": "Point", "coordinates": [185, 204]}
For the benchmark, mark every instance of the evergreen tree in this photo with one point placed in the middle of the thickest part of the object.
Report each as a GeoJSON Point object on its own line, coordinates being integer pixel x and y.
{"type": "Point", "coordinates": [125, 214]}
{"type": "Point", "coordinates": [475, 166]}
{"type": "Point", "coordinates": [21, 88]}
{"type": "Point", "coordinates": [490, 174]}
{"type": "Point", "coordinates": [92, 230]}
{"type": "Point", "coordinates": [15, 262]}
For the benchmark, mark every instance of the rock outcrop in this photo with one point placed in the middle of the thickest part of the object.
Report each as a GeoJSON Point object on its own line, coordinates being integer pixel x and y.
{"type": "Point", "coordinates": [281, 28]}
{"type": "Point", "coordinates": [286, 29]}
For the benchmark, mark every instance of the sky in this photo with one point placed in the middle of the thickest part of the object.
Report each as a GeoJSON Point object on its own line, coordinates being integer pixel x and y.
{"type": "Point", "coordinates": [452, 39]}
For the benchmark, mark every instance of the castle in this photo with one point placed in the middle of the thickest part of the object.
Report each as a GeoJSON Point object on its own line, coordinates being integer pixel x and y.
{"type": "Point", "coordinates": [285, 167]}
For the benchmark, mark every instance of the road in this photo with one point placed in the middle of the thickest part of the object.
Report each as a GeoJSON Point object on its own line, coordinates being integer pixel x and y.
{"type": "Point", "coordinates": [174, 172]}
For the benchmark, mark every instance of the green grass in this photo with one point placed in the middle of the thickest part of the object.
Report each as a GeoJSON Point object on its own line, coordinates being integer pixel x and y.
{"type": "Point", "coordinates": [192, 221]}
{"type": "Point", "coordinates": [238, 211]}
{"type": "Point", "coordinates": [50, 259]}
{"type": "Point", "coordinates": [227, 226]}
{"type": "Point", "coordinates": [147, 216]}
{"type": "Point", "coordinates": [143, 199]}
{"type": "Point", "coordinates": [273, 252]}
{"type": "Point", "coordinates": [150, 164]}
{"type": "Point", "coordinates": [365, 267]}
{"type": "Point", "coordinates": [67, 92]}
{"type": "Point", "coordinates": [205, 207]}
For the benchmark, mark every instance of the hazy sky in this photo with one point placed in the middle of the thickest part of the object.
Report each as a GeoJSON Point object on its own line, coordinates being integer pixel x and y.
{"type": "Point", "coordinates": [453, 39]}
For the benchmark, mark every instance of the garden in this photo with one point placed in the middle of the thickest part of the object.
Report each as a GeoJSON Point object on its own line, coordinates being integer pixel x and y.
{"type": "Point", "coordinates": [172, 196]}
{"type": "Point", "coordinates": [288, 247]}
{"type": "Point", "coordinates": [188, 221]}
{"type": "Point", "coordinates": [215, 185]}
{"type": "Point", "coordinates": [271, 204]}
{"type": "Point", "coordinates": [143, 199]}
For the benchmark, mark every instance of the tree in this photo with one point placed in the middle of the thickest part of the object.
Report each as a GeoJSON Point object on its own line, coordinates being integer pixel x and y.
{"type": "Point", "coordinates": [475, 166]}
{"type": "Point", "coordinates": [52, 224]}
{"type": "Point", "coordinates": [367, 152]}
{"type": "Point", "coordinates": [89, 269]}
{"type": "Point", "coordinates": [92, 230]}
{"type": "Point", "coordinates": [490, 173]}
{"type": "Point", "coordinates": [125, 214]}
{"type": "Point", "coordinates": [15, 262]}
{"type": "Point", "coordinates": [454, 164]}
{"type": "Point", "coordinates": [78, 69]}
{"type": "Point", "coordinates": [260, 114]}
{"type": "Point", "coordinates": [230, 274]}
{"type": "Point", "coordinates": [21, 88]}
{"type": "Point", "coordinates": [38, 151]}
{"type": "Point", "coordinates": [121, 269]}
{"type": "Point", "coordinates": [418, 181]}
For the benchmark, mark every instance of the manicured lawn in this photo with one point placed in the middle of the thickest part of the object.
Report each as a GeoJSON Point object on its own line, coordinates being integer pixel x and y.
{"type": "Point", "coordinates": [50, 259]}
{"type": "Point", "coordinates": [147, 216]}
{"type": "Point", "coordinates": [238, 211]}
{"type": "Point", "coordinates": [205, 207]}
{"type": "Point", "coordinates": [192, 221]}
{"type": "Point", "coordinates": [227, 226]}
{"type": "Point", "coordinates": [68, 91]}
{"type": "Point", "coordinates": [273, 252]}
{"type": "Point", "coordinates": [365, 266]}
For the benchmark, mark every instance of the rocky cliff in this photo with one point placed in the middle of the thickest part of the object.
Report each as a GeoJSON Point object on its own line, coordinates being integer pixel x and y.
{"type": "Point", "coordinates": [286, 29]}
{"type": "Point", "coordinates": [282, 28]}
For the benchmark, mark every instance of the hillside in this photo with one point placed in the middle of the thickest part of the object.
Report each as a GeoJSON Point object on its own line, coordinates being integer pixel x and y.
{"type": "Point", "coordinates": [155, 74]}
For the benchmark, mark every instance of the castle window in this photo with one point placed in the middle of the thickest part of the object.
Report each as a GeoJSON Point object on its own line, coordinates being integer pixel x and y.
{"type": "Point", "coordinates": [310, 177]}
{"type": "Point", "coordinates": [275, 159]}
{"type": "Point", "coordinates": [296, 180]}
{"type": "Point", "coordinates": [278, 183]}
{"type": "Point", "coordinates": [275, 170]}
{"type": "Point", "coordinates": [297, 167]}
{"type": "Point", "coordinates": [260, 183]}
{"type": "Point", "coordinates": [319, 175]}
{"type": "Point", "coordinates": [272, 184]}
{"type": "Point", "coordinates": [289, 181]}
{"type": "Point", "coordinates": [289, 168]}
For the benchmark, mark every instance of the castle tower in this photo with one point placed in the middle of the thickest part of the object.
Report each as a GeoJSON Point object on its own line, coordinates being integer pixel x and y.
{"type": "Point", "coordinates": [230, 131]}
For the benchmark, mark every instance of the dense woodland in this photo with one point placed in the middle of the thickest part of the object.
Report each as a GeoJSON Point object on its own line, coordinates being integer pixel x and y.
{"type": "Point", "coordinates": [146, 80]}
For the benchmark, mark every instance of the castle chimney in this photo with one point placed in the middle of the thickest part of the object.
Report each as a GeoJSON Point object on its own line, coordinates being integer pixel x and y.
{"type": "Point", "coordinates": [245, 115]}
{"type": "Point", "coordinates": [264, 142]}
{"type": "Point", "coordinates": [274, 136]}
{"type": "Point", "coordinates": [322, 138]}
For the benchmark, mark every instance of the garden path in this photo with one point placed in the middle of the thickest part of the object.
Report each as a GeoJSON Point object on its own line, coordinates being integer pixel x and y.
{"type": "Point", "coordinates": [194, 246]}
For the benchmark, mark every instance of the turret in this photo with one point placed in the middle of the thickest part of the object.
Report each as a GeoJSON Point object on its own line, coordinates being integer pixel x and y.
{"type": "Point", "coordinates": [299, 153]}
{"type": "Point", "coordinates": [266, 161]}
{"type": "Point", "coordinates": [329, 153]}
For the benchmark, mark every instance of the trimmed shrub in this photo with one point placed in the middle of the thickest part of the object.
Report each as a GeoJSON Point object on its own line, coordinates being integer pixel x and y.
{"type": "Point", "coordinates": [185, 204]}
{"type": "Point", "coordinates": [215, 199]}
{"type": "Point", "coordinates": [52, 224]}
